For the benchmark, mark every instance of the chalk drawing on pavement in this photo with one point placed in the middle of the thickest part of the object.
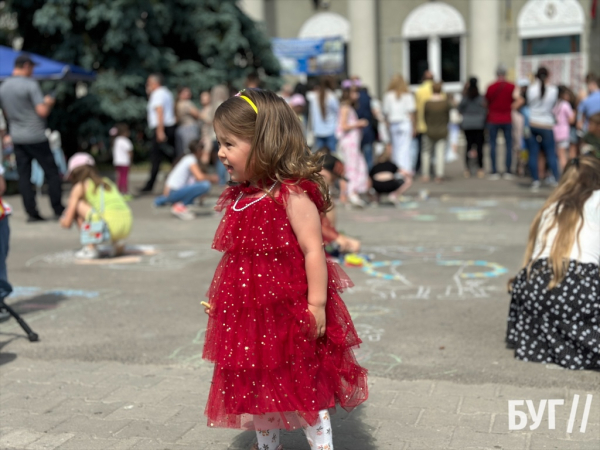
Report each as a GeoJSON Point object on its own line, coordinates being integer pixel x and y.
{"type": "Point", "coordinates": [140, 257]}
{"type": "Point", "coordinates": [37, 302]}
{"type": "Point", "coordinates": [190, 355]}
{"type": "Point", "coordinates": [369, 332]}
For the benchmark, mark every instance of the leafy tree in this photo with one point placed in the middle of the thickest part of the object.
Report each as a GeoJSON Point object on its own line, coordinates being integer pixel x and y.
{"type": "Point", "coordinates": [198, 43]}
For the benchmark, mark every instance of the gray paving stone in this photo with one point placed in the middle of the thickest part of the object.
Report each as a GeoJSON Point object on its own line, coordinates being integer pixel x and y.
{"type": "Point", "coordinates": [91, 409]}
{"type": "Point", "coordinates": [38, 405]}
{"type": "Point", "coordinates": [127, 380]}
{"type": "Point", "coordinates": [35, 422]}
{"type": "Point", "coordinates": [157, 413]}
{"type": "Point", "coordinates": [136, 396]}
{"type": "Point", "coordinates": [432, 418]}
{"type": "Point", "coordinates": [467, 437]}
{"type": "Point", "coordinates": [474, 405]}
{"type": "Point", "coordinates": [184, 398]}
{"type": "Point", "coordinates": [163, 433]}
{"type": "Point", "coordinates": [50, 441]}
{"type": "Point", "coordinates": [19, 438]}
{"type": "Point", "coordinates": [189, 414]}
{"type": "Point", "coordinates": [541, 442]}
{"type": "Point", "coordinates": [81, 442]}
{"type": "Point", "coordinates": [419, 438]}
{"type": "Point", "coordinates": [441, 402]}
{"type": "Point", "coordinates": [92, 427]}
{"type": "Point", "coordinates": [404, 416]}
{"type": "Point", "coordinates": [85, 391]}
{"type": "Point", "coordinates": [447, 388]}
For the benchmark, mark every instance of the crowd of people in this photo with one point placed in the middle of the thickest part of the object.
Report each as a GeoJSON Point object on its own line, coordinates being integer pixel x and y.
{"type": "Point", "coordinates": [381, 145]}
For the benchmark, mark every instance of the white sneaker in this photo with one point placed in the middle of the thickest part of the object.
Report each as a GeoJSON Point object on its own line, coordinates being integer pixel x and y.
{"type": "Point", "coordinates": [494, 176]}
{"type": "Point", "coordinates": [507, 176]}
{"type": "Point", "coordinates": [535, 186]}
{"type": "Point", "coordinates": [87, 253]}
{"type": "Point", "coordinates": [182, 211]}
{"type": "Point", "coordinates": [356, 201]}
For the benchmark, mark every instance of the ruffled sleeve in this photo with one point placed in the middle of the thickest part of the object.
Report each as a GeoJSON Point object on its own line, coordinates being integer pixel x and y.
{"type": "Point", "coordinates": [227, 197]}
{"type": "Point", "coordinates": [307, 187]}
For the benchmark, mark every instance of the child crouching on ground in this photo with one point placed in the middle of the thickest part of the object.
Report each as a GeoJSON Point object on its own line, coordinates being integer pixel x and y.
{"type": "Point", "coordinates": [93, 194]}
{"type": "Point", "coordinates": [186, 182]}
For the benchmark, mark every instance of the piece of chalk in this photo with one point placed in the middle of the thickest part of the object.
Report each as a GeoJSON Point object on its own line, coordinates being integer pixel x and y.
{"type": "Point", "coordinates": [205, 304]}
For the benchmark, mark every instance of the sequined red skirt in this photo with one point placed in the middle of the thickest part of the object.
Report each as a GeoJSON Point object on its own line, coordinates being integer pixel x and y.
{"type": "Point", "coordinates": [263, 344]}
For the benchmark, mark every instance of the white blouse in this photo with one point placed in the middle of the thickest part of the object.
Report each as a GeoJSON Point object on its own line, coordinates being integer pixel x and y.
{"type": "Point", "coordinates": [588, 250]}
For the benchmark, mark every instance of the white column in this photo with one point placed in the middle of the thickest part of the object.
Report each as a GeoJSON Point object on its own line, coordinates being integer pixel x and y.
{"type": "Point", "coordinates": [363, 42]}
{"type": "Point", "coordinates": [434, 57]}
{"type": "Point", "coordinates": [483, 40]}
{"type": "Point", "coordinates": [255, 9]}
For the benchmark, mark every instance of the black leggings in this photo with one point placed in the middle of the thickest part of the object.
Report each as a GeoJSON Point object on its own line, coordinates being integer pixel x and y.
{"type": "Point", "coordinates": [474, 137]}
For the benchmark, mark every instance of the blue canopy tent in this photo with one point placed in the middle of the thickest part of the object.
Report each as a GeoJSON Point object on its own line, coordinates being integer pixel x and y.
{"type": "Point", "coordinates": [46, 69]}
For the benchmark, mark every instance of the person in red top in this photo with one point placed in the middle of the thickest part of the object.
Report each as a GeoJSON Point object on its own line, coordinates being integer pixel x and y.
{"type": "Point", "coordinates": [499, 98]}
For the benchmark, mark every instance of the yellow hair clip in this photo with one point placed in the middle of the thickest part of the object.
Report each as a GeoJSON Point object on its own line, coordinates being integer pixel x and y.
{"type": "Point", "coordinates": [250, 102]}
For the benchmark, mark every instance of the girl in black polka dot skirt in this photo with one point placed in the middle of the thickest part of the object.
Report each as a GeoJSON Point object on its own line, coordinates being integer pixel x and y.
{"type": "Point", "coordinates": [554, 314]}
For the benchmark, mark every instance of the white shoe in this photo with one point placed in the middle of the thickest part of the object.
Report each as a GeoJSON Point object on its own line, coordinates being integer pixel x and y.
{"type": "Point", "coordinates": [87, 253]}
{"type": "Point", "coordinates": [356, 201]}
{"type": "Point", "coordinates": [182, 211]}
{"type": "Point", "coordinates": [507, 176]}
{"type": "Point", "coordinates": [535, 186]}
{"type": "Point", "coordinates": [494, 176]}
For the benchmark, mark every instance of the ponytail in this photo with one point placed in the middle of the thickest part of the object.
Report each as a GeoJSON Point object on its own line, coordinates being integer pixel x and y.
{"type": "Point", "coordinates": [542, 75]}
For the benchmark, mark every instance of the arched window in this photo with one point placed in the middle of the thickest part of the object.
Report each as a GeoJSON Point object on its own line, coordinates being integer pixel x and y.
{"type": "Point", "coordinates": [551, 34]}
{"type": "Point", "coordinates": [326, 24]}
{"type": "Point", "coordinates": [433, 35]}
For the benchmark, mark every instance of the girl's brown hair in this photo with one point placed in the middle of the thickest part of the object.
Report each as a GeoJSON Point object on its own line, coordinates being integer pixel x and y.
{"type": "Point", "coordinates": [347, 96]}
{"type": "Point", "coordinates": [564, 208]}
{"type": "Point", "coordinates": [278, 148]}
{"type": "Point", "coordinates": [82, 173]}
{"type": "Point", "coordinates": [398, 85]}
{"type": "Point", "coordinates": [327, 83]}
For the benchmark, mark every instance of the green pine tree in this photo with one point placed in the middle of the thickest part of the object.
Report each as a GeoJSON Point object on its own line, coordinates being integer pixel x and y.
{"type": "Point", "coordinates": [198, 43]}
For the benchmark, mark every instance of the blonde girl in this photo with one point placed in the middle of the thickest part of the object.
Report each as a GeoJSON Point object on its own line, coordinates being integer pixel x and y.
{"type": "Point", "coordinates": [278, 332]}
{"type": "Point", "coordinates": [349, 134]}
{"type": "Point", "coordinates": [93, 193]}
{"type": "Point", "coordinates": [554, 314]}
{"type": "Point", "coordinates": [400, 109]}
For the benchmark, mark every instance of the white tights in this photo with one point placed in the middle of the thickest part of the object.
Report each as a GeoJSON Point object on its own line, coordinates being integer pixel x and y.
{"type": "Point", "coordinates": [319, 436]}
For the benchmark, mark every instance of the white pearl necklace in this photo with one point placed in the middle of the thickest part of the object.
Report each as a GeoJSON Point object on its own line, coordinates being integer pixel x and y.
{"type": "Point", "coordinates": [251, 203]}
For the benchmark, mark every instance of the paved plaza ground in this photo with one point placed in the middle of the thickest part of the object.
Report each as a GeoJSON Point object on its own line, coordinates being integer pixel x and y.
{"type": "Point", "coordinates": [118, 365]}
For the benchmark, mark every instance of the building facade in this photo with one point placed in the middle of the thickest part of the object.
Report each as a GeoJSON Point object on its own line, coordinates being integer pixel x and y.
{"type": "Point", "coordinates": [455, 39]}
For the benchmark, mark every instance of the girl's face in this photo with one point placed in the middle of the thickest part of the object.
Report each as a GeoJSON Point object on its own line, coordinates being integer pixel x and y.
{"type": "Point", "coordinates": [354, 95]}
{"type": "Point", "coordinates": [233, 153]}
{"type": "Point", "coordinates": [205, 98]}
{"type": "Point", "coordinates": [185, 94]}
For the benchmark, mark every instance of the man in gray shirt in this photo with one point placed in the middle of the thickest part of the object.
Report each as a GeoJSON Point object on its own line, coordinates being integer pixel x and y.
{"type": "Point", "coordinates": [25, 110]}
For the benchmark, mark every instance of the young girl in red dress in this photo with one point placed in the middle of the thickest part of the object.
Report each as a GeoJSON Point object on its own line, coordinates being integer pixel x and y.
{"type": "Point", "coordinates": [278, 332]}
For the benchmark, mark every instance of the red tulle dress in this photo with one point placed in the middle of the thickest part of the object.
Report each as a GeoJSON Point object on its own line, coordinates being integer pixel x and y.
{"type": "Point", "coordinates": [260, 334]}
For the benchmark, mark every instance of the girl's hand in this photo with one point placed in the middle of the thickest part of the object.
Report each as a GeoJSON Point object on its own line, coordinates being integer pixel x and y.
{"type": "Point", "coordinates": [361, 123]}
{"type": "Point", "coordinates": [206, 307]}
{"type": "Point", "coordinates": [64, 222]}
{"type": "Point", "coordinates": [319, 314]}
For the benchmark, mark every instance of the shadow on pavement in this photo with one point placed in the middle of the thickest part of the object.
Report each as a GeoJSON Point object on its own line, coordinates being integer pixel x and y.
{"type": "Point", "coordinates": [37, 303]}
{"type": "Point", "coordinates": [349, 433]}
{"type": "Point", "coordinates": [8, 357]}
